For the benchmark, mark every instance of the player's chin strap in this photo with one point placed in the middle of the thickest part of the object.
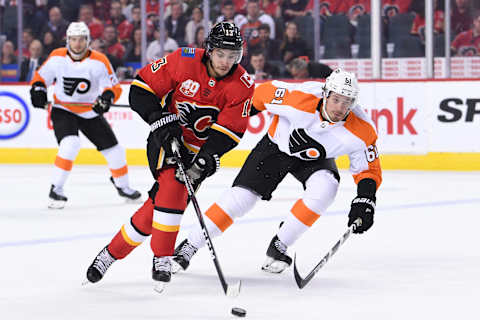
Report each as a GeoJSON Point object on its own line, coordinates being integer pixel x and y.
{"type": "Point", "coordinates": [302, 282]}
{"type": "Point", "coordinates": [229, 290]}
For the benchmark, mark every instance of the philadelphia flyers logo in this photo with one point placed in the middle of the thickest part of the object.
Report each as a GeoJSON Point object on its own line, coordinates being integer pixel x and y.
{"type": "Point", "coordinates": [197, 118]}
{"type": "Point", "coordinates": [72, 85]}
{"type": "Point", "coordinates": [305, 147]}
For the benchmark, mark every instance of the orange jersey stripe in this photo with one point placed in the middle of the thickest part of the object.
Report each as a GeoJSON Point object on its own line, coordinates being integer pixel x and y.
{"type": "Point", "coordinates": [63, 164]}
{"type": "Point", "coordinates": [304, 214]}
{"type": "Point", "coordinates": [75, 107]}
{"type": "Point", "coordinates": [119, 172]}
{"type": "Point", "coordinates": [273, 126]}
{"type": "Point", "coordinates": [221, 219]}
{"type": "Point", "coordinates": [268, 93]}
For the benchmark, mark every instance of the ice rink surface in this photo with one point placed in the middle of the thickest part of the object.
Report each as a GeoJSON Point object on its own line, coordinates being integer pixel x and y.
{"type": "Point", "coordinates": [421, 259]}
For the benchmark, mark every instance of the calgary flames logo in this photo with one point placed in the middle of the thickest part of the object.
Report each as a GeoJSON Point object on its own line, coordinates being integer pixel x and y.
{"type": "Point", "coordinates": [197, 118]}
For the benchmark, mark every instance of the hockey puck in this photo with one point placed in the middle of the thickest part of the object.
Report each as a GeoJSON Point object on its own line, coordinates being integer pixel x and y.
{"type": "Point", "coordinates": [239, 312]}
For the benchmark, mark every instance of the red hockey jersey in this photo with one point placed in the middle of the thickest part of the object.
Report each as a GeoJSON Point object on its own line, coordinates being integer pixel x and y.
{"type": "Point", "coordinates": [201, 101]}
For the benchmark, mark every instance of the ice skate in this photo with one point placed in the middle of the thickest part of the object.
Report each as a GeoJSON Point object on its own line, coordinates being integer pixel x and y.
{"type": "Point", "coordinates": [99, 266]}
{"type": "Point", "coordinates": [57, 198]}
{"type": "Point", "coordinates": [161, 272]}
{"type": "Point", "coordinates": [129, 194]}
{"type": "Point", "coordinates": [277, 258]}
{"type": "Point", "coordinates": [182, 255]}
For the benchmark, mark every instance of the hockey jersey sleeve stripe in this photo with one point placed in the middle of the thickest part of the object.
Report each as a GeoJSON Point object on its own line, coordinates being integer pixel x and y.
{"type": "Point", "coordinates": [304, 214]}
{"type": "Point", "coordinates": [374, 174]}
{"type": "Point", "coordinates": [37, 78]}
{"type": "Point", "coordinates": [361, 129]}
{"type": "Point", "coordinates": [142, 85]}
{"type": "Point", "coordinates": [227, 132]}
{"type": "Point", "coordinates": [218, 216]}
{"type": "Point", "coordinates": [95, 55]}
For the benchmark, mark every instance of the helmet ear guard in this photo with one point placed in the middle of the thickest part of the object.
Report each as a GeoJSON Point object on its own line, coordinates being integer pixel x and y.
{"type": "Point", "coordinates": [78, 29]}
{"type": "Point", "coordinates": [225, 35]}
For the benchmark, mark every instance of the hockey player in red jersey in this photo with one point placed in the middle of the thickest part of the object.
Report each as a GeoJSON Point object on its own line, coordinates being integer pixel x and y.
{"type": "Point", "coordinates": [84, 88]}
{"type": "Point", "coordinates": [312, 125]}
{"type": "Point", "coordinates": [201, 97]}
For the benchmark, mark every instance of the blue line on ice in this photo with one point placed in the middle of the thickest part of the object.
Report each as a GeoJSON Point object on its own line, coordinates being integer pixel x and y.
{"type": "Point", "coordinates": [246, 220]}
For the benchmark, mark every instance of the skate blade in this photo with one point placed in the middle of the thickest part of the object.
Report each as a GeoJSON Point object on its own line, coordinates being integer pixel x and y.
{"type": "Point", "coordinates": [159, 286]}
{"type": "Point", "coordinates": [176, 267]}
{"type": "Point", "coordinates": [56, 204]}
{"type": "Point", "coordinates": [274, 266]}
{"type": "Point", "coordinates": [85, 282]}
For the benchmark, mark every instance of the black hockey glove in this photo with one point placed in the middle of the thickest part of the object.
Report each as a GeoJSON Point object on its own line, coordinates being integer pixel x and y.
{"type": "Point", "coordinates": [38, 95]}
{"type": "Point", "coordinates": [203, 165]}
{"type": "Point", "coordinates": [165, 126]}
{"type": "Point", "coordinates": [304, 146]}
{"type": "Point", "coordinates": [362, 207]}
{"type": "Point", "coordinates": [103, 102]}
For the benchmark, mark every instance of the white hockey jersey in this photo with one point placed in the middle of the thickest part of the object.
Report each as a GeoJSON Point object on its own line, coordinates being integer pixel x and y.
{"type": "Point", "coordinates": [78, 83]}
{"type": "Point", "coordinates": [294, 106]}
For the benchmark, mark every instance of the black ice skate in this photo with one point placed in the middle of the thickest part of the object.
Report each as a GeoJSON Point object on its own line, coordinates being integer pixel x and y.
{"type": "Point", "coordinates": [277, 258]}
{"type": "Point", "coordinates": [182, 255]}
{"type": "Point", "coordinates": [100, 265]}
{"type": "Point", "coordinates": [161, 272]}
{"type": "Point", "coordinates": [57, 198]}
{"type": "Point", "coordinates": [127, 192]}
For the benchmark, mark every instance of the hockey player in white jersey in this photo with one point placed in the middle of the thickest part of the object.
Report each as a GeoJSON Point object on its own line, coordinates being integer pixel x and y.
{"type": "Point", "coordinates": [312, 125]}
{"type": "Point", "coordinates": [85, 86]}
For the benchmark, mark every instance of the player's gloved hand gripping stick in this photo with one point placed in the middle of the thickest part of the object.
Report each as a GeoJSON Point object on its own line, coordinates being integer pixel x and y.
{"type": "Point", "coordinates": [229, 290]}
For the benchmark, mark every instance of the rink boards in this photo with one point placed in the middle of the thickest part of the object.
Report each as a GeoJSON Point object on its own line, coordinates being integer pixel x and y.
{"type": "Point", "coordinates": [422, 125]}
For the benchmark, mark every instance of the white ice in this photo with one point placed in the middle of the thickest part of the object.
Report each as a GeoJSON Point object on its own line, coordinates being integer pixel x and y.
{"type": "Point", "coordinates": [421, 259]}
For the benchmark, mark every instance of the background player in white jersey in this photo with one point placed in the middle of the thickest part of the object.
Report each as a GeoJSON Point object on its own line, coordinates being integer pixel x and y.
{"type": "Point", "coordinates": [312, 125]}
{"type": "Point", "coordinates": [85, 87]}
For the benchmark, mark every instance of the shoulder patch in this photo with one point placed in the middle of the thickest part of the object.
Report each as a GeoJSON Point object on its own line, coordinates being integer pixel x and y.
{"type": "Point", "coordinates": [247, 80]}
{"type": "Point", "coordinates": [188, 52]}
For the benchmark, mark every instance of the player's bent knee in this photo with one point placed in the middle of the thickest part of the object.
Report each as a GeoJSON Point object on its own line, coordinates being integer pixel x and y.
{"type": "Point", "coordinates": [321, 189]}
{"type": "Point", "coordinates": [70, 145]}
{"type": "Point", "coordinates": [237, 201]}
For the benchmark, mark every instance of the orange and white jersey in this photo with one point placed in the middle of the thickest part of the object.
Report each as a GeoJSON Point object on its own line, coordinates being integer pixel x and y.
{"type": "Point", "coordinates": [297, 106]}
{"type": "Point", "coordinates": [78, 83]}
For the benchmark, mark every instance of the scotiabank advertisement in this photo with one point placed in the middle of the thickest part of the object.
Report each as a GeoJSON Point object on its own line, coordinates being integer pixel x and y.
{"type": "Point", "coordinates": [411, 118]}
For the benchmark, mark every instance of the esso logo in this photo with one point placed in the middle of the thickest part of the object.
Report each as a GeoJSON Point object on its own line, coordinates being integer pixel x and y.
{"type": "Point", "coordinates": [14, 115]}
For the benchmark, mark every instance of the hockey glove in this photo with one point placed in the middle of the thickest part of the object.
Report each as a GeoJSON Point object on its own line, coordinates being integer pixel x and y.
{"type": "Point", "coordinates": [165, 126]}
{"type": "Point", "coordinates": [304, 146]}
{"type": "Point", "coordinates": [103, 102]}
{"type": "Point", "coordinates": [362, 207]}
{"type": "Point", "coordinates": [38, 95]}
{"type": "Point", "coordinates": [204, 165]}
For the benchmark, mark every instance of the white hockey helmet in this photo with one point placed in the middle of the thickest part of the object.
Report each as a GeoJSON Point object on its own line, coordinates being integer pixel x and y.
{"type": "Point", "coordinates": [78, 29]}
{"type": "Point", "coordinates": [341, 82]}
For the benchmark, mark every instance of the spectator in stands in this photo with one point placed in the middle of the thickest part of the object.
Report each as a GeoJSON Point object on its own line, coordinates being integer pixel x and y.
{"type": "Point", "coordinates": [468, 43]}
{"type": "Point", "coordinates": [271, 7]}
{"type": "Point", "coordinates": [260, 68]}
{"type": "Point", "coordinates": [254, 19]}
{"type": "Point", "coordinates": [99, 45]}
{"type": "Point", "coordinates": [461, 18]}
{"type": "Point", "coordinates": [118, 20]}
{"type": "Point", "coordinates": [228, 15]}
{"type": "Point", "coordinates": [176, 24]}
{"type": "Point", "coordinates": [193, 25]}
{"type": "Point", "coordinates": [26, 40]}
{"type": "Point", "coordinates": [353, 9]}
{"type": "Point", "coordinates": [127, 7]}
{"type": "Point", "coordinates": [134, 47]}
{"type": "Point", "coordinates": [71, 9]}
{"type": "Point", "coordinates": [391, 8]}
{"type": "Point", "coordinates": [137, 22]}
{"type": "Point", "coordinates": [293, 45]}
{"type": "Point", "coordinates": [101, 9]}
{"type": "Point", "coordinates": [8, 53]}
{"type": "Point", "coordinates": [327, 7]}
{"type": "Point", "coordinates": [85, 14]}
{"type": "Point", "coordinates": [29, 65]}
{"type": "Point", "coordinates": [113, 47]}
{"type": "Point", "coordinates": [39, 16]}
{"type": "Point", "coordinates": [269, 47]}
{"type": "Point", "coordinates": [418, 26]}
{"type": "Point", "coordinates": [50, 43]}
{"type": "Point", "coordinates": [302, 68]}
{"type": "Point", "coordinates": [240, 6]}
{"type": "Point", "coordinates": [152, 6]}
{"type": "Point", "coordinates": [56, 24]}
{"type": "Point", "coordinates": [199, 38]}
{"type": "Point", "coordinates": [293, 8]}
{"type": "Point", "coordinates": [153, 51]}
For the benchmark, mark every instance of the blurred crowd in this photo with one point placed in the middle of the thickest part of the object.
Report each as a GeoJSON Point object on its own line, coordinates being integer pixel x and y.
{"type": "Point", "coordinates": [278, 34]}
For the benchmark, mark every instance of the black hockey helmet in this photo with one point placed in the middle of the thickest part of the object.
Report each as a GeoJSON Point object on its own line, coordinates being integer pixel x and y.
{"type": "Point", "coordinates": [224, 35]}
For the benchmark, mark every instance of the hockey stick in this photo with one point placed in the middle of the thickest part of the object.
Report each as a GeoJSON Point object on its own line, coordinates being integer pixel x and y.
{"type": "Point", "coordinates": [229, 290]}
{"type": "Point", "coordinates": [302, 282]}
{"type": "Point", "coordinates": [86, 106]}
